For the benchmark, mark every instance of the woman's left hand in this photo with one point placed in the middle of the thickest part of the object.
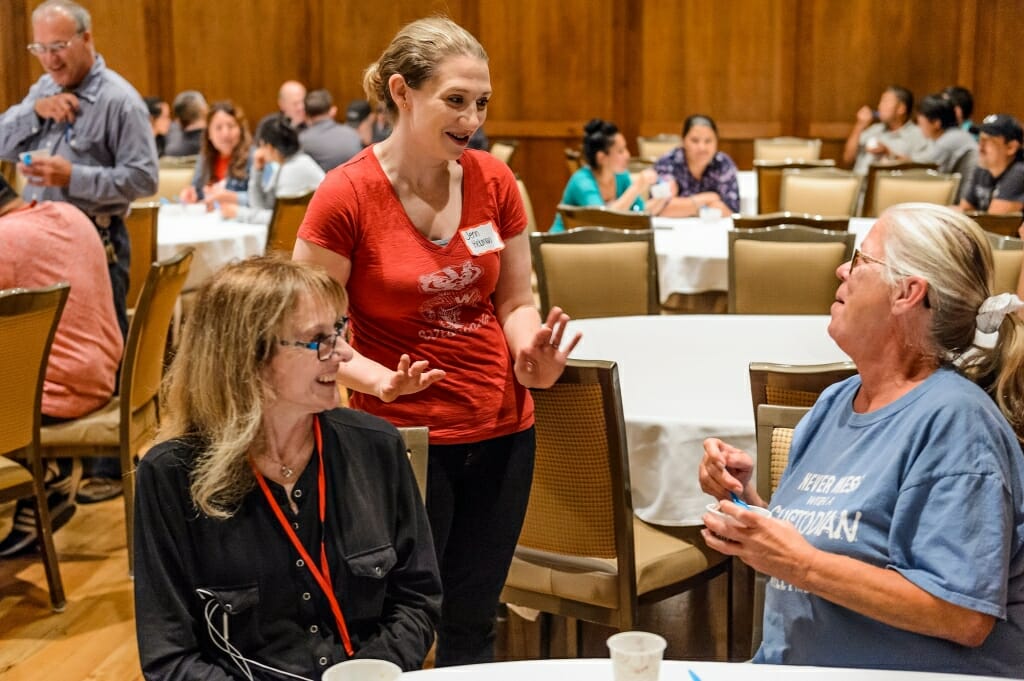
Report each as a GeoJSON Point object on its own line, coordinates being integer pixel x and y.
{"type": "Point", "coordinates": [768, 545]}
{"type": "Point", "coordinates": [539, 364]}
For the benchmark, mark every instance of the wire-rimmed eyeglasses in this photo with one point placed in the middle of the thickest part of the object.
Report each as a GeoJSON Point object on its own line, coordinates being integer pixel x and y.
{"type": "Point", "coordinates": [40, 49]}
{"type": "Point", "coordinates": [859, 255]}
{"type": "Point", "coordinates": [324, 345]}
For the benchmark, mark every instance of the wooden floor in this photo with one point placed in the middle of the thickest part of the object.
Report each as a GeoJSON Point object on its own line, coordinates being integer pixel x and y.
{"type": "Point", "coordinates": [94, 638]}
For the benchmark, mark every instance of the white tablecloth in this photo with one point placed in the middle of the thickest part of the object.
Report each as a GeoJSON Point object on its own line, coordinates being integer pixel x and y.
{"type": "Point", "coordinates": [747, 181]}
{"type": "Point", "coordinates": [685, 378]}
{"type": "Point", "coordinates": [693, 254]}
{"type": "Point", "coordinates": [217, 241]}
{"type": "Point", "coordinates": [673, 670]}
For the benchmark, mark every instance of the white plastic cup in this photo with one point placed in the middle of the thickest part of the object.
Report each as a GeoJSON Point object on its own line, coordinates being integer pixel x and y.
{"type": "Point", "coordinates": [636, 655]}
{"type": "Point", "coordinates": [709, 214]}
{"type": "Point", "coordinates": [363, 670]}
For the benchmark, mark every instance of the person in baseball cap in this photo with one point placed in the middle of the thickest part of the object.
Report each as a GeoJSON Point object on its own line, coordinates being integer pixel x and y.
{"type": "Point", "coordinates": [997, 184]}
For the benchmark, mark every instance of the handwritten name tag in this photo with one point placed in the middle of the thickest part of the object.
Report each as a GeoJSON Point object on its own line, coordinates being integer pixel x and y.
{"type": "Point", "coordinates": [482, 239]}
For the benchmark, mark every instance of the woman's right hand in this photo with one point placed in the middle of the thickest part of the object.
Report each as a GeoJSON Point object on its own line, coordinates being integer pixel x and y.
{"type": "Point", "coordinates": [724, 469]}
{"type": "Point", "coordinates": [645, 179]}
{"type": "Point", "coordinates": [188, 195]}
{"type": "Point", "coordinates": [408, 378]}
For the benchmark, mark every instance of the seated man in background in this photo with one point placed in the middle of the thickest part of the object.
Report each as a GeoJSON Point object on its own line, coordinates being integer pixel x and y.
{"type": "Point", "coordinates": [963, 105]}
{"type": "Point", "coordinates": [185, 135]}
{"type": "Point", "coordinates": [359, 116]}
{"type": "Point", "coordinates": [997, 184]}
{"type": "Point", "coordinates": [159, 120]}
{"type": "Point", "coordinates": [953, 149]}
{"type": "Point", "coordinates": [327, 141]}
{"type": "Point", "coordinates": [892, 136]}
{"type": "Point", "coordinates": [291, 101]}
{"type": "Point", "coordinates": [40, 245]}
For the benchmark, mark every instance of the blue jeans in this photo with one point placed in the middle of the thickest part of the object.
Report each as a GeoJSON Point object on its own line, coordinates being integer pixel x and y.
{"type": "Point", "coordinates": [476, 501]}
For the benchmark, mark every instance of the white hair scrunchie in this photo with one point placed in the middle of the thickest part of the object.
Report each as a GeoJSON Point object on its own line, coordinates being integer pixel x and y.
{"type": "Point", "coordinates": [991, 315]}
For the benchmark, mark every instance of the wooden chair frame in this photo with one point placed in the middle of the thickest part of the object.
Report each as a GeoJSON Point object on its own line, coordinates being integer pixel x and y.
{"type": "Point", "coordinates": [604, 375]}
{"type": "Point", "coordinates": [868, 188]}
{"type": "Point", "coordinates": [142, 224]}
{"type": "Point", "coordinates": [283, 229]}
{"type": "Point", "coordinates": [782, 233]}
{"type": "Point", "coordinates": [595, 235]}
{"type": "Point", "coordinates": [22, 422]}
{"type": "Point", "coordinates": [831, 223]}
{"type": "Point", "coordinates": [137, 404]}
{"type": "Point", "coordinates": [793, 385]}
{"type": "Point", "coordinates": [1004, 224]}
{"type": "Point", "coordinates": [769, 180]}
{"type": "Point", "coordinates": [504, 150]}
{"type": "Point", "coordinates": [601, 216]}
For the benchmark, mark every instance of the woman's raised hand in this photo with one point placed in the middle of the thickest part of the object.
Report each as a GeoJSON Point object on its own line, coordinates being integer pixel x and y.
{"type": "Point", "coordinates": [724, 469]}
{"type": "Point", "coordinates": [408, 378]}
{"type": "Point", "coordinates": [539, 364]}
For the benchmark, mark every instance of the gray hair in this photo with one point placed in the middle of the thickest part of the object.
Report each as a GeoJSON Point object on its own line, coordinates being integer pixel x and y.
{"type": "Point", "coordinates": [80, 15]}
{"type": "Point", "coordinates": [951, 252]}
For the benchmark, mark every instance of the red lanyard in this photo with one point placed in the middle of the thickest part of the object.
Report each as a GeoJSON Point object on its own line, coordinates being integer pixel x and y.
{"type": "Point", "coordinates": [323, 574]}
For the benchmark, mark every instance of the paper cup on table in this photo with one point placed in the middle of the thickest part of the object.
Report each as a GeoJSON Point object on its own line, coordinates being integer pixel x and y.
{"type": "Point", "coordinates": [363, 670]}
{"type": "Point", "coordinates": [636, 655]}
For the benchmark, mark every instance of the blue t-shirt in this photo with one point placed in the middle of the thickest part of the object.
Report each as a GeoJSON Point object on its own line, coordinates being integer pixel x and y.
{"type": "Point", "coordinates": [582, 190]}
{"type": "Point", "coordinates": [931, 486]}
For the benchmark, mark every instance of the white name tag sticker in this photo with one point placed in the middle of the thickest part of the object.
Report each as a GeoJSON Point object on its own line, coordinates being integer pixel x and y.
{"type": "Point", "coordinates": [482, 239]}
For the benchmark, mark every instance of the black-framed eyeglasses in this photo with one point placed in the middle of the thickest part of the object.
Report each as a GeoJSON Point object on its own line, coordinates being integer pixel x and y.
{"type": "Point", "coordinates": [326, 345]}
{"type": "Point", "coordinates": [40, 49]}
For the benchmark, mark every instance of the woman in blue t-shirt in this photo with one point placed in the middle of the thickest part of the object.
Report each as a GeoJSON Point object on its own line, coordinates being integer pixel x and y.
{"type": "Point", "coordinates": [605, 179]}
{"type": "Point", "coordinates": [896, 536]}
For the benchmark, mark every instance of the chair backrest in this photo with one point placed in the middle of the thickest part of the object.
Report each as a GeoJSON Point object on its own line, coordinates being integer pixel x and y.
{"type": "Point", "coordinates": [904, 186]}
{"type": "Point", "coordinates": [573, 160]}
{"type": "Point", "coordinates": [793, 385]}
{"type": "Point", "coordinates": [141, 223]}
{"type": "Point", "coordinates": [656, 146]}
{"type": "Point", "coordinates": [171, 181]}
{"type": "Point", "coordinates": [785, 270]}
{"type": "Point", "coordinates": [143, 364]}
{"type": "Point", "coordinates": [28, 323]}
{"type": "Point", "coordinates": [775, 427]}
{"type": "Point", "coordinates": [820, 191]}
{"type": "Point", "coordinates": [832, 223]}
{"type": "Point", "coordinates": [597, 272]}
{"type": "Point", "coordinates": [1007, 254]}
{"type": "Point", "coordinates": [600, 216]}
{"type": "Point", "coordinates": [786, 149]}
{"type": "Point", "coordinates": [531, 217]}
{"type": "Point", "coordinates": [580, 504]}
{"type": "Point", "coordinates": [417, 444]}
{"type": "Point", "coordinates": [868, 196]}
{"type": "Point", "coordinates": [769, 180]}
{"type": "Point", "coordinates": [503, 150]}
{"type": "Point", "coordinates": [1005, 224]}
{"type": "Point", "coordinates": [285, 221]}
{"type": "Point", "coordinates": [179, 161]}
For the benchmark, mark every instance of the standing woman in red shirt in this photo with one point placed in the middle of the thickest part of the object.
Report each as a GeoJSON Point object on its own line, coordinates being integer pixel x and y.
{"type": "Point", "coordinates": [428, 238]}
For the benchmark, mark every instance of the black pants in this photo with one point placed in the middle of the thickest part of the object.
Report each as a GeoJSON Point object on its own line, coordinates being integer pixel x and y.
{"type": "Point", "coordinates": [476, 501]}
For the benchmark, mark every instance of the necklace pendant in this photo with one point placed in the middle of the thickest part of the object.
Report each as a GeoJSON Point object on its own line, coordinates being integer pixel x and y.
{"type": "Point", "coordinates": [286, 471]}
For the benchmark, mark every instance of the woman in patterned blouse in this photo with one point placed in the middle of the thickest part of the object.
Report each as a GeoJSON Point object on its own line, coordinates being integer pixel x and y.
{"type": "Point", "coordinates": [705, 176]}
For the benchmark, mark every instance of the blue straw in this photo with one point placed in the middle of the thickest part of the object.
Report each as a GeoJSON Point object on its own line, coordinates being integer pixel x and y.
{"type": "Point", "coordinates": [739, 502]}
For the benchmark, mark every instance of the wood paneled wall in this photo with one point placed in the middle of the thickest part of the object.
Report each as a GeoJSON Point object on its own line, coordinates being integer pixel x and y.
{"type": "Point", "coordinates": [759, 67]}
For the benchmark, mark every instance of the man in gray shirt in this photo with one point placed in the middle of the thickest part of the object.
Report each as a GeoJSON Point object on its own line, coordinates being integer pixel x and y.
{"type": "Point", "coordinates": [82, 135]}
{"type": "Point", "coordinates": [892, 136]}
{"type": "Point", "coordinates": [953, 149]}
{"type": "Point", "coordinates": [327, 141]}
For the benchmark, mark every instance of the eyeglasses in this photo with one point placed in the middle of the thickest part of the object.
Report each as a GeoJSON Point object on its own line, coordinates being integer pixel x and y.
{"type": "Point", "coordinates": [859, 255]}
{"type": "Point", "coordinates": [324, 346]}
{"type": "Point", "coordinates": [39, 49]}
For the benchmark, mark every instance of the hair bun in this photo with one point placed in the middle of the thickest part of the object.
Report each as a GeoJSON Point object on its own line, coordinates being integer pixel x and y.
{"type": "Point", "coordinates": [594, 125]}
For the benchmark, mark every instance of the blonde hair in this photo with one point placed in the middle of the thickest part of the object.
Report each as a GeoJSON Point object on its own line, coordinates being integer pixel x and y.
{"type": "Point", "coordinates": [952, 253]}
{"type": "Point", "coordinates": [415, 53]}
{"type": "Point", "coordinates": [214, 391]}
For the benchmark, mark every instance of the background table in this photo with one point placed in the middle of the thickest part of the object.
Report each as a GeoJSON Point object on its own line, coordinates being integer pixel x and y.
{"type": "Point", "coordinates": [672, 670]}
{"type": "Point", "coordinates": [685, 378]}
{"type": "Point", "coordinates": [216, 241]}
{"type": "Point", "coordinates": [693, 254]}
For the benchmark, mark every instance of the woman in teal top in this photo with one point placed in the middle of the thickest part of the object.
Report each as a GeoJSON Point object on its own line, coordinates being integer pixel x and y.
{"type": "Point", "coordinates": [605, 180]}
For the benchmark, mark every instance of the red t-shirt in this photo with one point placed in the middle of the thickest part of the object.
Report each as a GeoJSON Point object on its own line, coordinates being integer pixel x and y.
{"type": "Point", "coordinates": [52, 242]}
{"type": "Point", "coordinates": [408, 295]}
